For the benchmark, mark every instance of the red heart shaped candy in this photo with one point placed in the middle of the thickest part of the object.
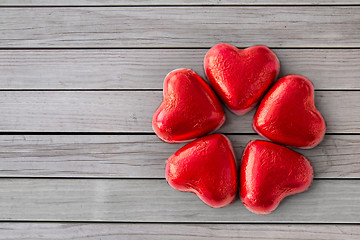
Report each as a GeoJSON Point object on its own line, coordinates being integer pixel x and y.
{"type": "Point", "coordinates": [270, 172]}
{"type": "Point", "coordinates": [206, 167]}
{"type": "Point", "coordinates": [189, 109]}
{"type": "Point", "coordinates": [287, 114]}
{"type": "Point", "coordinates": [241, 77]}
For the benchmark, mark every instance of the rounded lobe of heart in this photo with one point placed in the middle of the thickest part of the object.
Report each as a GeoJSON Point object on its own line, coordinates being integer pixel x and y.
{"type": "Point", "coordinates": [270, 172]}
{"type": "Point", "coordinates": [287, 114]}
{"type": "Point", "coordinates": [189, 108]}
{"type": "Point", "coordinates": [206, 167]}
{"type": "Point", "coordinates": [241, 77]}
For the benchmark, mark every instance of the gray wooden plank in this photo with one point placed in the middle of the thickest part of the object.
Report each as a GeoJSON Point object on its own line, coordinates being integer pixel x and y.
{"type": "Point", "coordinates": [166, 2]}
{"type": "Point", "coordinates": [112, 231]}
{"type": "Point", "coordinates": [83, 27]}
{"type": "Point", "coordinates": [146, 68]}
{"type": "Point", "coordinates": [124, 111]}
{"type": "Point", "coordinates": [124, 156]}
{"type": "Point", "coordinates": [327, 201]}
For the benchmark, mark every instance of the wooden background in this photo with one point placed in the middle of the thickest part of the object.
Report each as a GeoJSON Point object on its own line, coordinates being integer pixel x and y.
{"type": "Point", "coordinates": [80, 80]}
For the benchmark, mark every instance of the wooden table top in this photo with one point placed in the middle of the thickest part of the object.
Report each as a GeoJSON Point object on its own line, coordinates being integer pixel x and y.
{"type": "Point", "coordinates": [80, 81]}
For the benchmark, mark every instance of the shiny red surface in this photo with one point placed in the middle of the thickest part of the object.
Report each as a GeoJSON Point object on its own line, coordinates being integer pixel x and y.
{"type": "Point", "coordinates": [287, 114]}
{"type": "Point", "coordinates": [206, 167]}
{"type": "Point", "coordinates": [270, 172]}
{"type": "Point", "coordinates": [241, 77]}
{"type": "Point", "coordinates": [189, 109]}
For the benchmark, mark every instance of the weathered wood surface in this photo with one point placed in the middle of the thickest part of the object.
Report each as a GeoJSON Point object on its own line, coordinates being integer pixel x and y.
{"type": "Point", "coordinates": [111, 231]}
{"type": "Point", "coordinates": [112, 156]}
{"type": "Point", "coordinates": [41, 176]}
{"type": "Point", "coordinates": [146, 68]}
{"type": "Point", "coordinates": [81, 27]}
{"type": "Point", "coordinates": [327, 201]}
{"type": "Point", "coordinates": [176, 3]}
{"type": "Point", "coordinates": [114, 111]}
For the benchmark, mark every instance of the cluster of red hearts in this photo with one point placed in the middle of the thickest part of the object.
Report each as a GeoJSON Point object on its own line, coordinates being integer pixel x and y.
{"type": "Point", "coordinates": [286, 115]}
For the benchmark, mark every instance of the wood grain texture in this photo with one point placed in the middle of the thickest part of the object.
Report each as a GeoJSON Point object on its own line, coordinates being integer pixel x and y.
{"type": "Point", "coordinates": [167, 2]}
{"type": "Point", "coordinates": [99, 111]}
{"type": "Point", "coordinates": [111, 156]}
{"type": "Point", "coordinates": [82, 27]}
{"type": "Point", "coordinates": [112, 231]}
{"type": "Point", "coordinates": [41, 175]}
{"type": "Point", "coordinates": [146, 68]}
{"type": "Point", "coordinates": [327, 201]}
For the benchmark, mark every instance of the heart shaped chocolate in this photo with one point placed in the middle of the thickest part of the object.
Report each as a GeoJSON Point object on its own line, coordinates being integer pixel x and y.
{"type": "Point", "coordinates": [270, 172]}
{"type": "Point", "coordinates": [241, 77]}
{"type": "Point", "coordinates": [189, 109]}
{"type": "Point", "coordinates": [206, 167]}
{"type": "Point", "coordinates": [287, 114]}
